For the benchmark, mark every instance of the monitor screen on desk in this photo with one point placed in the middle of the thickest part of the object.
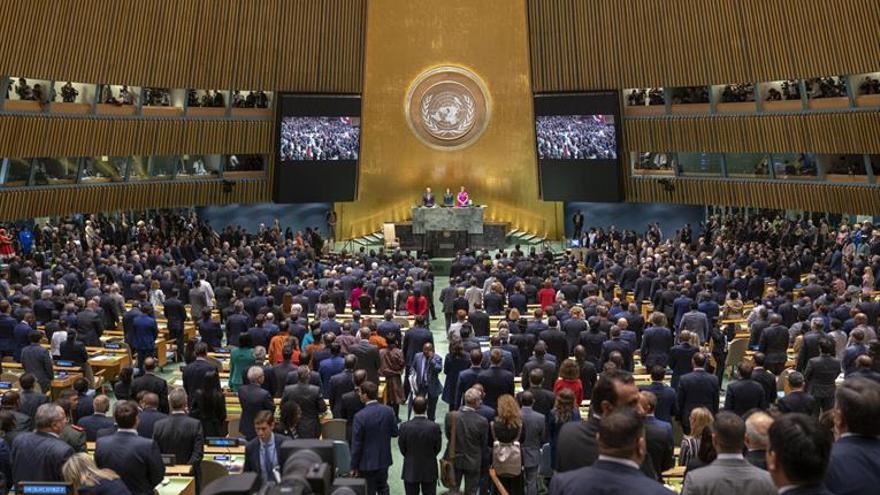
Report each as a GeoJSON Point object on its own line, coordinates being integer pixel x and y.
{"type": "Point", "coordinates": [221, 442]}
{"type": "Point", "coordinates": [44, 488]}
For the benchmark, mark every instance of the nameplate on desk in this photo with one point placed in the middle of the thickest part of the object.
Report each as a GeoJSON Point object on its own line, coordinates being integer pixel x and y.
{"type": "Point", "coordinates": [222, 458]}
{"type": "Point", "coordinates": [61, 374]}
{"type": "Point", "coordinates": [5, 385]}
{"type": "Point", "coordinates": [112, 345]}
{"type": "Point", "coordinates": [222, 351]}
{"type": "Point", "coordinates": [33, 487]}
{"type": "Point", "coordinates": [169, 459]}
{"type": "Point", "coordinates": [64, 363]}
{"type": "Point", "coordinates": [221, 442]}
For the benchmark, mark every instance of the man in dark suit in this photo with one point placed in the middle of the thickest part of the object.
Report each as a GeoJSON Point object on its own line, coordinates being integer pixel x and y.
{"type": "Point", "coordinates": [810, 347]}
{"type": "Point", "coordinates": [554, 339]}
{"type": "Point", "coordinates": [30, 399]}
{"type": "Point", "coordinates": [419, 442]}
{"type": "Point", "coordinates": [496, 381]}
{"type": "Point", "coordinates": [467, 378]}
{"type": "Point", "coordinates": [479, 320]}
{"type": "Point", "coordinates": [11, 401]}
{"type": "Point", "coordinates": [179, 434]}
{"type": "Point", "coordinates": [577, 445]}
{"type": "Point", "coordinates": [136, 460]}
{"type": "Point", "coordinates": [282, 369]}
{"type": "Point", "coordinates": [764, 377]}
{"type": "Point", "coordinates": [797, 401]}
{"type": "Point", "coordinates": [544, 399]}
{"type": "Point", "coordinates": [262, 455]}
{"type": "Point", "coordinates": [373, 428]}
{"type": "Point", "coordinates": [351, 403]}
{"type": "Point", "coordinates": [681, 358]}
{"type": "Point", "coordinates": [340, 384]}
{"type": "Point", "coordinates": [774, 344]}
{"type": "Point", "coordinates": [150, 382]}
{"type": "Point", "coordinates": [426, 367]}
{"type": "Point", "coordinates": [237, 324]}
{"type": "Point", "coordinates": [310, 401]}
{"type": "Point", "coordinates": [821, 374]}
{"type": "Point", "coordinates": [658, 436]}
{"type": "Point", "coordinates": [36, 360]}
{"type": "Point", "coordinates": [543, 362]}
{"type": "Point", "coordinates": [98, 420]}
{"type": "Point", "coordinates": [194, 373]}
{"type": "Point", "coordinates": [798, 455]}
{"type": "Point", "coordinates": [698, 388]}
{"type": "Point", "coordinates": [253, 399]}
{"type": "Point", "coordinates": [367, 356]}
{"type": "Point", "coordinates": [414, 339]}
{"type": "Point", "coordinates": [619, 345]}
{"type": "Point", "coordinates": [175, 315]}
{"type": "Point", "coordinates": [534, 432]}
{"type": "Point", "coordinates": [39, 456]}
{"type": "Point", "coordinates": [855, 457]}
{"type": "Point", "coordinates": [507, 359]}
{"type": "Point", "coordinates": [471, 442]}
{"type": "Point", "coordinates": [621, 442]}
{"type": "Point", "coordinates": [664, 395]}
{"type": "Point", "coordinates": [149, 414]}
{"type": "Point", "coordinates": [89, 325]}
{"type": "Point", "coordinates": [744, 394]}
{"type": "Point", "coordinates": [656, 343]}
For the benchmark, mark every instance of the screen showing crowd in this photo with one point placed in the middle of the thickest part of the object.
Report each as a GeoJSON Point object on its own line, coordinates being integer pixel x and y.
{"type": "Point", "coordinates": [576, 137]}
{"type": "Point", "coordinates": [320, 138]}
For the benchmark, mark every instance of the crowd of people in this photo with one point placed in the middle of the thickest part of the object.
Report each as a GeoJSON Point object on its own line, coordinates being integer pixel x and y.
{"type": "Point", "coordinates": [561, 323]}
{"type": "Point", "coordinates": [690, 94]}
{"type": "Point", "coordinates": [576, 137]}
{"type": "Point", "coordinates": [320, 138]}
{"type": "Point", "coordinates": [826, 87]}
{"type": "Point", "coordinates": [788, 90]}
{"type": "Point", "coordinates": [645, 96]}
{"type": "Point", "coordinates": [736, 93]}
{"type": "Point", "coordinates": [869, 86]}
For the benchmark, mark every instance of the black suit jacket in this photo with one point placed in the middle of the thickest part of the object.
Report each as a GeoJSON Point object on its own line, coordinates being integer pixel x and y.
{"type": "Point", "coordinates": [340, 384]}
{"type": "Point", "coordinates": [479, 320]}
{"type": "Point", "coordinates": [252, 455]}
{"type": "Point", "coordinates": [38, 457]}
{"type": "Point", "coordinates": [182, 436]}
{"type": "Point", "coordinates": [350, 405]}
{"type": "Point", "coordinates": [281, 370]}
{"type": "Point", "coordinates": [546, 365]}
{"type": "Point", "coordinates": [744, 395]}
{"type": "Point", "coordinates": [660, 444]}
{"type": "Point", "coordinates": [367, 359]}
{"type": "Point", "coordinates": [194, 377]}
{"type": "Point", "coordinates": [556, 343]}
{"type": "Point", "coordinates": [798, 402]}
{"type": "Point", "coordinates": [154, 384]}
{"type": "Point", "coordinates": [420, 441]}
{"type": "Point", "coordinates": [820, 375]}
{"type": "Point", "coordinates": [136, 460]}
{"type": "Point", "coordinates": [697, 389]}
{"type": "Point", "coordinates": [774, 344]}
{"type": "Point", "coordinates": [147, 419]}
{"type": "Point", "coordinates": [311, 405]}
{"type": "Point", "coordinates": [253, 399]}
{"type": "Point", "coordinates": [496, 382]}
{"type": "Point", "coordinates": [94, 423]}
{"type": "Point", "coordinates": [30, 401]}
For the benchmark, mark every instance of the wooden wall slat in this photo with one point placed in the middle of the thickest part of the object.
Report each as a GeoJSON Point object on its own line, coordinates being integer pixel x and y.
{"type": "Point", "coordinates": [606, 44]}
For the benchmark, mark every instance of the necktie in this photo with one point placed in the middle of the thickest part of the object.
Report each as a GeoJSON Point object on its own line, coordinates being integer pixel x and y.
{"type": "Point", "coordinates": [268, 466]}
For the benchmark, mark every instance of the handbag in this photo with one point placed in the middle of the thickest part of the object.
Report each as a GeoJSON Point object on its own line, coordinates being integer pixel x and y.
{"type": "Point", "coordinates": [507, 457]}
{"type": "Point", "coordinates": [447, 464]}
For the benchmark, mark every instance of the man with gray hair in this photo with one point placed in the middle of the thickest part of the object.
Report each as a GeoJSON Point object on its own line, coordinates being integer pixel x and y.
{"type": "Point", "coordinates": [757, 427]}
{"type": "Point", "coordinates": [180, 434]}
{"type": "Point", "coordinates": [471, 439]}
{"type": "Point", "coordinates": [253, 399]}
{"type": "Point", "coordinates": [39, 456]}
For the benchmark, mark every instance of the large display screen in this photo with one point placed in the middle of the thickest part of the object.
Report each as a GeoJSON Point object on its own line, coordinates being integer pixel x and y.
{"type": "Point", "coordinates": [578, 146]}
{"type": "Point", "coordinates": [318, 146]}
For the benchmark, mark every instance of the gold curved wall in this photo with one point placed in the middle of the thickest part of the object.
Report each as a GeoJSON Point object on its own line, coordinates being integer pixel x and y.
{"type": "Point", "coordinates": [301, 45]}
{"type": "Point", "coordinates": [603, 44]}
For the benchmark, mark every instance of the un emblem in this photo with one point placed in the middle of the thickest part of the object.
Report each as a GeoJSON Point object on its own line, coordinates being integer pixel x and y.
{"type": "Point", "coordinates": [447, 107]}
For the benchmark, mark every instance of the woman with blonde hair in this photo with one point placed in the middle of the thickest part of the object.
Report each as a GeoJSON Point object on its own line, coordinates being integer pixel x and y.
{"type": "Point", "coordinates": [700, 418]}
{"type": "Point", "coordinates": [80, 471]}
{"type": "Point", "coordinates": [507, 431]}
{"type": "Point", "coordinates": [157, 297]}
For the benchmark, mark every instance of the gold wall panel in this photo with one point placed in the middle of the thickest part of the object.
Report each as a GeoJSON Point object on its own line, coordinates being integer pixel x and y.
{"type": "Point", "coordinates": [406, 38]}
{"type": "Point", "coordinates": [832, 198]}
{"type": "Point", "coordinates": [844, 132]}
{"type": "Point", "coordinates": [49, 201]}
{"type": "Point", "coordinates": [604, 44]}
{"type": "Point", "coordinates": [302, 45]}
{"type": "Point", "coordinates": [32, 136]}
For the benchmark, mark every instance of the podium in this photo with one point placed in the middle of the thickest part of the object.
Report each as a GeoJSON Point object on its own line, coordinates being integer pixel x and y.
{"type": "Point", "coordinates": [443, 231]}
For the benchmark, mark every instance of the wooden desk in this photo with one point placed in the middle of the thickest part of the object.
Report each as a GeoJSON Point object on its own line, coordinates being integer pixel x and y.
{"type": "Point", "coordinates": [110, 362]}
{"type": "Point", "coordinates": [238, 449]}
{"type": "Point", "coordinates": [179, 470]}
{"type": "Point", "coordinates": [177, 485]}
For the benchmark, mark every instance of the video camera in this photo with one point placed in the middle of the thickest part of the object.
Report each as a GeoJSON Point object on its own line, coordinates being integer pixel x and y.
{"type": "Point", "coordinates": [309, 468]}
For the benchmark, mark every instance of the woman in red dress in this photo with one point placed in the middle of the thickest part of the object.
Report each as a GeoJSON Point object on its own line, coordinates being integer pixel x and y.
{"type": "Point", "coordinates": [6, 249]}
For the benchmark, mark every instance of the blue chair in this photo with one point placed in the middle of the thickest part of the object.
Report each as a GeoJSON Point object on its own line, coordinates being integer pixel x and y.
{"type": "Point", "coordinates": [545, 470]}
{"type": "Point", "coordinates": [342, 458]}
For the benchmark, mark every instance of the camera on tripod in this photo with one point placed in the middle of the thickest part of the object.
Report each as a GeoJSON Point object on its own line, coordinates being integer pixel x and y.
{"type": "Point", "coordinates": [309, 468]}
